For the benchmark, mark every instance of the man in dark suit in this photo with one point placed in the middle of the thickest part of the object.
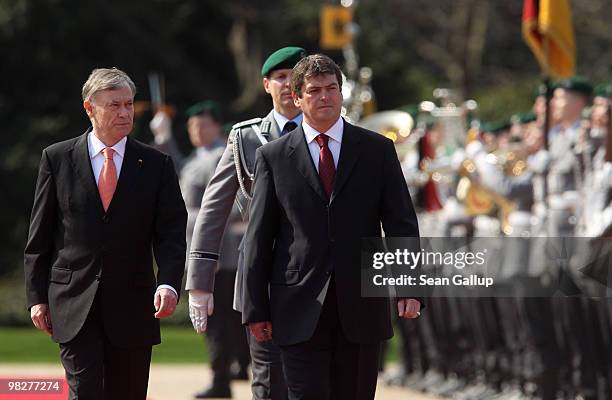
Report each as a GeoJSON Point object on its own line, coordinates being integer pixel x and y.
{"type": "Point", "coordinates": [318, 191]}
{"type": "Point", "coordinates": [103, 204]}
{"type": "Point", "coordinates": [230, 187]}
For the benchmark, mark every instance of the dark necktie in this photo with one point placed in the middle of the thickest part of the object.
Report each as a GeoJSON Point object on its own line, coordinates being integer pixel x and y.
{"type": "Point", "coordinates": [289, 126]}
{"type": "Point", "coordinates": [327, 169]}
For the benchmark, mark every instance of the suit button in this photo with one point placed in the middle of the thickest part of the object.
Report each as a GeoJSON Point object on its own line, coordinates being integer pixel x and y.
{"type": "Point", "coordinates": [105, 218]}
{"type": "Point", "coordinates": [98, 277]}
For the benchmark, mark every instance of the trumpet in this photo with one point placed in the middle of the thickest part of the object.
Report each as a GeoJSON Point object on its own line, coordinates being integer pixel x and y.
{"type": "Point", "coordinates": [479, 199]}
{"type": "Point", "coordinates": [395, 125]}
{"type": "Point", "coordinates": [513, 161]}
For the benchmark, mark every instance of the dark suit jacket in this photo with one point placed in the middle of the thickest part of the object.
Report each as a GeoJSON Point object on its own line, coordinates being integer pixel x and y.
{"type": "Point", "coordinates": [76, 251]}
{"type": "Point", "coordinates": [297, 239]}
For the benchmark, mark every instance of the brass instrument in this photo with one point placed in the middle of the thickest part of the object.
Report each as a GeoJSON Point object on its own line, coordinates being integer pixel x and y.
{"type": "Point", "coordinates": [512, 160]}
{"type": "Point", "coordinates": [479, 199]}
{"type": "Point", "coordinates": [395, 125]}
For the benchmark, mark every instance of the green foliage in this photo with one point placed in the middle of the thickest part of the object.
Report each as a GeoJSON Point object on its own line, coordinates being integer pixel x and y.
{"type": "Point", "coordinates": [507, 99]}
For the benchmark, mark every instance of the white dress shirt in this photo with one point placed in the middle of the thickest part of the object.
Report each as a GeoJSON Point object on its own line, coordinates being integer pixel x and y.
{"type": "Point", "coordinates": [281, 120]}
{"type": "Point", "coordinates": [335, 141]}
{"type": "Point", "coordinates": [95, 147]}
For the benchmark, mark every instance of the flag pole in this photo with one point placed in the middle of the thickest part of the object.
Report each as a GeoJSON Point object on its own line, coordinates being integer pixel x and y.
{"type": "Point", "coordinates": [547, 94]}
{"type": "Point", "coordinates": [547, 113]}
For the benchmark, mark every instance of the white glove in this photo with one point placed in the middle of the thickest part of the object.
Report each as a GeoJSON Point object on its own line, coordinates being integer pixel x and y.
{"type": "Point", "coordinates": [201, 306]}
{"type": "Point", "coordinates": [161, 126]}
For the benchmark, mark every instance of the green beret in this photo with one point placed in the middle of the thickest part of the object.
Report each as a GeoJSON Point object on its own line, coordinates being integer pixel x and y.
{"type": "Point", "coordinates": [485, 126]}
{"type": "Point", "coordinates": [576, 84]}
{"type": "Point", "coordinates": [604, 90]}
{"type": "Point", "coordinates": [206, 107]}
{"type": "Point", "coordinates": [284, 58]}
{"type": "Point", "coordinates": [523, 118]}
{"type": "Point", "coordinates": [495, 128]}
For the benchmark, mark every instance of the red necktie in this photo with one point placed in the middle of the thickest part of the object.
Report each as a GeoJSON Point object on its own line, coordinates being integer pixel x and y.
{"type": "Point", "coordinates": [327, 168]}
{"type": "Point", "coordinates": [107, 183]}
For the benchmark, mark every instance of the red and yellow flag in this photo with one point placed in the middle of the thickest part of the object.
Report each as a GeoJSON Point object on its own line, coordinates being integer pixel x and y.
{"type": "Point", "coordinates": [548, 30]}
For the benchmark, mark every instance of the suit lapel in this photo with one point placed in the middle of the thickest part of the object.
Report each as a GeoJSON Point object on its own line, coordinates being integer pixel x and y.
{"type": "Point", "coordinates": [81, 164]}
{"type": "Point", "coordinates": [349, 153]}
{"type": "Point", "coordinates": [132, 163]}
{"type": "Point", "coordinates": [300, 155]}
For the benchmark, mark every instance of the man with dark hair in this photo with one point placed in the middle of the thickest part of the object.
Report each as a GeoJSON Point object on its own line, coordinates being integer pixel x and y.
{"type": "Point", "coordinates": [309, 212]}
{"type": "Point", "coordinates": [104, 204]}
{"type": "Point", "coordinates": [231, 184]}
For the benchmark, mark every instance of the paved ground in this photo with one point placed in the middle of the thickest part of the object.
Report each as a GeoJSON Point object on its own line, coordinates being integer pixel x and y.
{"type": "Point", "coordinates": [179, 382]}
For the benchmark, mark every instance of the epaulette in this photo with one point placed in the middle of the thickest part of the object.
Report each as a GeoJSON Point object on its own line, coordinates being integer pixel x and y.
{"type": "Point", "coordinates": [247, 123]}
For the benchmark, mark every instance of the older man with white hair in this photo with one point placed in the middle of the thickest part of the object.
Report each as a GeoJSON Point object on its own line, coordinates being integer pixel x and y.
{"type": "Point", "coordinates": [104, 204]}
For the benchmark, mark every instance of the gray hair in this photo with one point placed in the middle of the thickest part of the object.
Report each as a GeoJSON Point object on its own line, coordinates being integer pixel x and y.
{"type": "Point", "coordinates": [106, 79]}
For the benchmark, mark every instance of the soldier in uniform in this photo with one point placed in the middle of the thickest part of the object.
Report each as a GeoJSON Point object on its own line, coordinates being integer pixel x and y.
{"type": "Point", "coordinates": [563, 182]}
{"type": "Point", "coordinates": [226, 343]}
{"type": "Point", "coordinates": [595, 155]}
{"type": "Point", "coordinates": [231, 183]}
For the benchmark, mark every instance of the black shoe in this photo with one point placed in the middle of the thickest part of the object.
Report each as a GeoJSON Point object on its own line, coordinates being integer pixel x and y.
{"type": "Point", "coordinates": [214, 392]}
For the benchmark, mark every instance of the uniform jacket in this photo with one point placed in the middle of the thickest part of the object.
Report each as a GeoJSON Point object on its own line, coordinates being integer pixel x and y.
{"type": "Point", "coordinates": [222, 192]}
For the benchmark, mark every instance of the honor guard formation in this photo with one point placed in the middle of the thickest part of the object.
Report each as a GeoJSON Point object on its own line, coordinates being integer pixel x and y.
{"type": "Point", "coordinates": [550, 337]}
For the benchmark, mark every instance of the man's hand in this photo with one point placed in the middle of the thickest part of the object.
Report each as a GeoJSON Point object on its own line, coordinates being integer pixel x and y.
{"type": "Point", "coordinates": [261, 330]}
{"type": "Point", "coordinates": [408, 308]}
{"type": "Point", "coordinates": [40, 317]}
{"type": "Point", "coordinates": [164, 302]}
{"type": "Point", "coordinates": [201, 306]}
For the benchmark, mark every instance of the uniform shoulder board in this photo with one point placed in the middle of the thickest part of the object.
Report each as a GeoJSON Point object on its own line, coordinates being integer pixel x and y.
{"type": "Point", "coordinates": [265, 127]}
{"type": "Point", "coordinates": [248, 122]}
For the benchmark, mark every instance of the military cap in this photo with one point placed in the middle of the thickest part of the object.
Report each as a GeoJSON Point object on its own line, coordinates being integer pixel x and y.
{"type": "Point", "coordinates": [576, 84]}
{"type": "Point", "coordinates": [209, 107]}
{"type": "Point", "coordinates": [284, 58]}
{"type": "Point", "coordinates": [604, 90]}
{"type": "Point", "coordinates": [523, 118]}
{"type": "Point", "coordinates": [496, 128]}
{"type": "Point", "coordinates": [485, 126]}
